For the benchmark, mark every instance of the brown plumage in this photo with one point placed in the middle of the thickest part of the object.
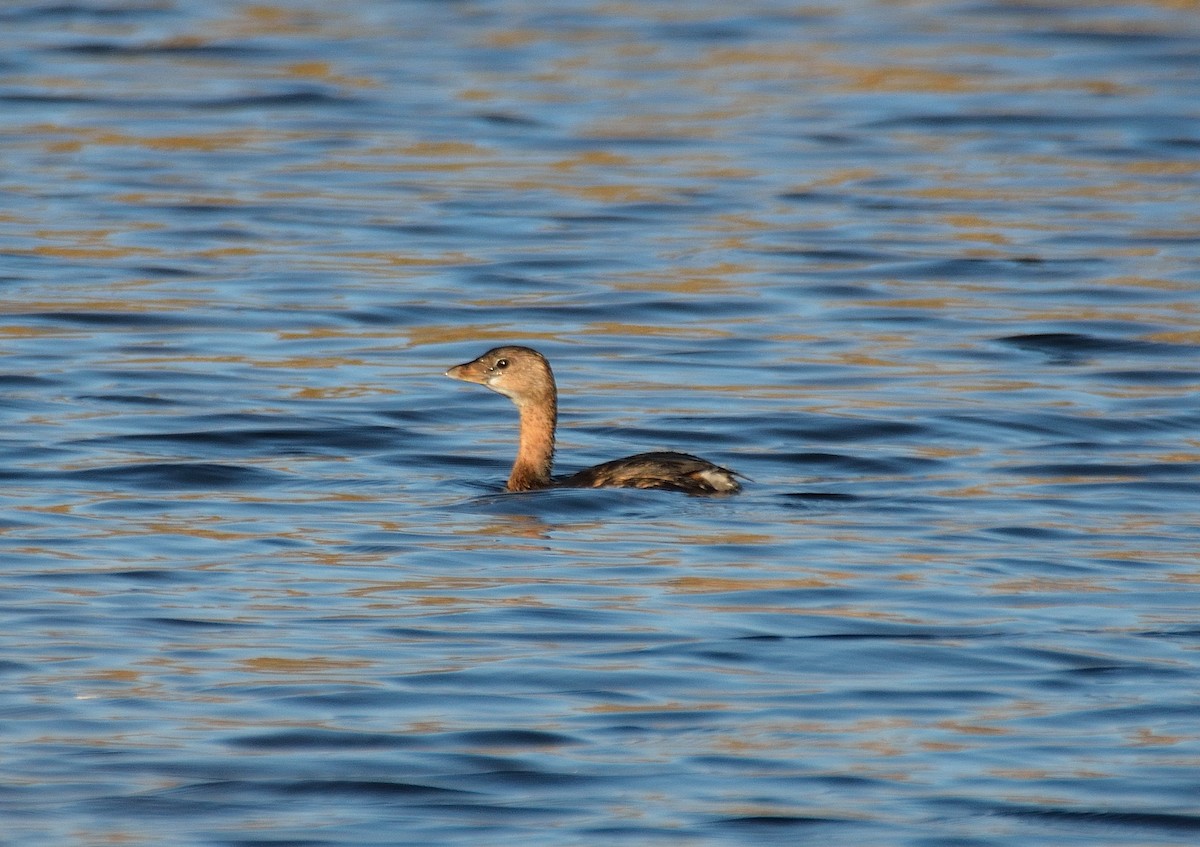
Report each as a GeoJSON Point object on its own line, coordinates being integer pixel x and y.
{"type": "Point", "coordinates": [523, 375]}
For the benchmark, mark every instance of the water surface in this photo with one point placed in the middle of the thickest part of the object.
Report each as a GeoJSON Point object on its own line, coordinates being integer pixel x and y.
{"type": "Point", "coordinates": [925, 272]}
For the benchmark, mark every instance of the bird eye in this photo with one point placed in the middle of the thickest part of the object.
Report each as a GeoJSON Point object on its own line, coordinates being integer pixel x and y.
{"type": "Point", "coordinates": [501, 364]}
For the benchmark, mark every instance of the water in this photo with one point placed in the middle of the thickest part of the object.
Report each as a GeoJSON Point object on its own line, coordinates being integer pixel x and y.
{"type": "Point", "coordinates": [925, 272]}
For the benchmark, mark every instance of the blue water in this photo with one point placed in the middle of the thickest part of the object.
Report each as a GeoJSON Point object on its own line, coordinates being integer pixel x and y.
{"type": "Point", "coordinates": [927, 273]}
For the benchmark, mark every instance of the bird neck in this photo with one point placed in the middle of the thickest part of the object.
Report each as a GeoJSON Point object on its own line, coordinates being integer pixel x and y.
{"type": "Point", "coordinates": [535, 450]}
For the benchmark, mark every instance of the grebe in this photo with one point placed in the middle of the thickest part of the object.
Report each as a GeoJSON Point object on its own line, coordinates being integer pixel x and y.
{"type": "Point", "coordinates": [523, 375]}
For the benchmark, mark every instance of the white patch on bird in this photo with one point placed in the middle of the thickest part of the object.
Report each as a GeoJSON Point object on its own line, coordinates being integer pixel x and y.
{"type": "Point", "coordinates": [718, 479]}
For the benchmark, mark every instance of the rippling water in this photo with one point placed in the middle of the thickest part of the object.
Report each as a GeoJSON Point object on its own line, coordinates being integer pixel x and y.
{"type": "Point", "coordinates": [926, 272]}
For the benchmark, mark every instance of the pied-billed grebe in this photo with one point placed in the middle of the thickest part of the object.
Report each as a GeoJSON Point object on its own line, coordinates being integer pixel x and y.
{"type": "Point", "coordinates": [523, 375]}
